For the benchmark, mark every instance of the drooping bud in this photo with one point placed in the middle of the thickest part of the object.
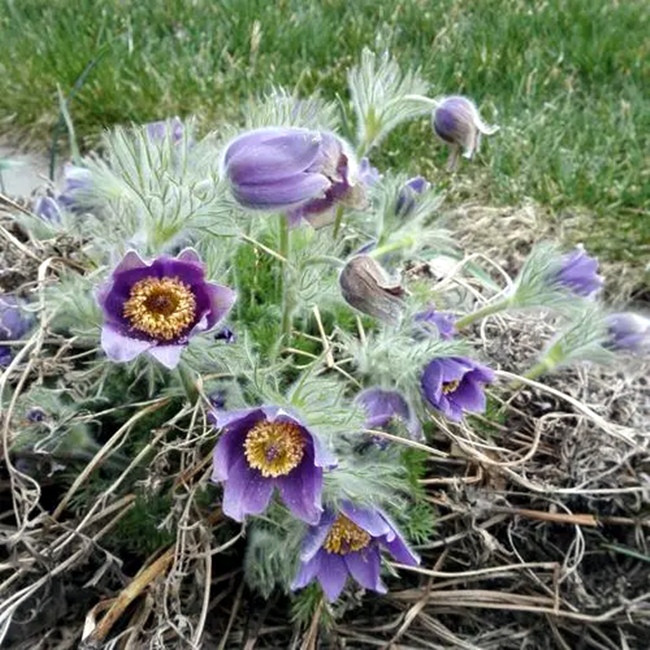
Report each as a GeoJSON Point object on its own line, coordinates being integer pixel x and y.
{"type": "Point", "coordinates": [457, 122]}
{"type": "Point", "coordinates": [366, 286]}
{"type": "Point", "coordinates": [579, 273]}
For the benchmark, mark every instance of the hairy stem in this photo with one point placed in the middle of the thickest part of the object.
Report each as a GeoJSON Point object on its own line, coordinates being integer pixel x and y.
{"type": "Point", "coordinates": [287, 289]}
{"type": "Point", "coordinates": [479, 314]}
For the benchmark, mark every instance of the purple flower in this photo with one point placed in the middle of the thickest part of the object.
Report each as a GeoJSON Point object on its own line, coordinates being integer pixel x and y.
{"type": "Point", "coordinates": [349, 543]}
{"type": "Point", "coordinates": [301, 171]}
{"type": "Point", "coordinates": [579, 273]}
{"type": "Point", "coordinates": [444, 322]}
{"type": "Point", "coordinates": [47, 208]}
{"type": "Point", "coordinates": [14, 324]}
{"type": "Point", "coordinates": [453, 385]}
{"type": "Point", "coordinates": [157, 307]}
{"type": "Point", "coordinates": [407, 195]}
{"type": "Point", "coordinates": [457, 122]}
{"type": "Point", "coordinates": [76, 182]}
{"type": "Point", "coordinates": [383, 408]}
{"type": "Point", "coordinates": [263, 448]}
{"type": "Point", "coordinates": [628, 331]}
{"type": "Point", "coordinates": [172, 128]}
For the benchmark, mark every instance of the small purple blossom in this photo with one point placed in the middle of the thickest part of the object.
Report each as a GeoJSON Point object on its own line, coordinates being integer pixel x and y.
{"type": "Point", "coordinates": [453, 385]}
{"type": "Point", "coordinates": [47, 208]}
{"type": "Point", "coordinates": [628, 332]}
{"type": "Point", "coordinates": [14, 324]}
{"type": "Point", "coordinates": [349, 543]}
{"type": "Point", "coordinates": [301, 171]}
{"type": "Point", "coordinates": [406, 199]}
{"type": "Point", "coordinates": [457, 122]}
{"type": "Point", "coordinates": [35, 414]}
{"type": "Point", "coordinates": [444, 322]}
{"type": "Point", "coordinates": [578, 272]}
{"type": "Point", "coordinates": [157, 307]}
{"type": "Point", "coordinates": [264, 448]}
{"type": "Point", "coordinates": [385, 407]}
{"type": "Point", "coordinates": [172, 128]}
{"type": "Point", "coordinates": [226, 334]}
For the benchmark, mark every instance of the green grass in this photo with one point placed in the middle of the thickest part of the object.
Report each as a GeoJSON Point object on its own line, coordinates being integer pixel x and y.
{"type": "Point", "coordinates": [564, 78]}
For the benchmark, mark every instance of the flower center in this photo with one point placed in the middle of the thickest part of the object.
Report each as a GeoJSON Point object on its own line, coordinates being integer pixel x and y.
{"type": "Point", "coordinates": [160, 307]}
{"type": "Point", "coordinates": [449, 386]}
{"type": "Point", "coordinates": [345, 537]}
{"type": "Point", "coordinates": [274, 448]}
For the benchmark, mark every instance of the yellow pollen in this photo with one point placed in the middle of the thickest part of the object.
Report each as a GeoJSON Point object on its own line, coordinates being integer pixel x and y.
{"type": "Point", "coordinates": [450, 386]}
{"type": "Point", "coordinates": [274, 448]}
{"type": "Point", "coordinates": [160, 307]}
{"type": "Point", "coordinates": [345, 537]}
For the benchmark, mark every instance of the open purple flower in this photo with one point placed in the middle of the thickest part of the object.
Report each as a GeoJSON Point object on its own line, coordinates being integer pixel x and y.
{"type": "Point", "coordinates": [348, 543]}
{"type": "Point", "coordinates": [444, 322]}
{"type": "Point", "coordinates": [578, 272]}
{"type": "Point", "coordinates": [628, 332]}
{"type": "Point", "coordinates": [408, 195]}
{"type": "Point", "coordinates": [172, 128]}
{"type": "Point", "coordinates": [457, 122]}
{"type": "Point", "coordinates": [157, 307]}
{"type": "Point", "coordinates": [264, 448]}
{"type": "Point", "coordinates": [385, 407]}
{"type": "Point", "coordinates": [14, 324]}
{"type": "Point", "coordinates": [453, 385]}
{"type": "Point", "coordinates": [303, 172]}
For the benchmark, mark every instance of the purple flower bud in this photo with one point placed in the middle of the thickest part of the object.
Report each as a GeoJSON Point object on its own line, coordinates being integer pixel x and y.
{"type": "Point", "coordinates": [35, 414]}
{"type": "Point", "coordinates": [14, 324]}
{"type": "Point", "coordinates": [76, 181]}
{"type": "Point", "coordinates": [407, 195]}
{"type": "Point", "coordinates": [225, 334]}
{"type": "Point", "coordinates": [368, 174]}
{"type": "Point", "coordinates": [47, 209]}
{"type": "Point", "coordinates": [264, 448]}
{"type": "Point", "coordinates": [453, 385]}
{"type": "Point", "coordinates": [218, 399]}
{"type": "Point", "coordinates": [349, 543]}
{"type": "Point", "coordinates": [157, 307]}
{"type": "Point", "coordinates": [579, 273]}
{"type": "Point", "coordinates": [365, 286]}
{"type": "Point", "coordinates": [628, 332]}
{"type": "Point", "coordinates": [297, 170]}
{"type": "Point", "coordinates": [457, 122]}
{"type": "Point", "coordinates": [444, 323]}
{"type": "Point", "coordinates": [158, 131]}
{"type": "Point", "coordinates": [385, 407]}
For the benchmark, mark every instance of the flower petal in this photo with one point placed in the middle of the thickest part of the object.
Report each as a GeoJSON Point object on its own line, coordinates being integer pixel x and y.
{"type": "Point", "coordinates": [221, 301]}
{"type": "Point", "coordinates": [469, 396]}
{"type": "Point", "coordinates": [246, 492]}
{"type": "Point", "coordinates": [287, 192]}
{"type": "Point", "coordinates": [316, 535]}
{"type": "Point", "coordinates": [168, 355]}
{"type": "Point", "coordinates": [364, 567]}
{"type": "Point", "coordinates": [230, 445]}
{"type": "Point", "coordinates": [302, 488]}
{"type": "Point", "coordinates": [367, 518]}
{"type": "Point", "coordinates": [397, 546]}
{"type": "Point", "coordinates": [306, 573]}
{"type": "Point", "coordinates": [121, 348]}
{"type": "Point", "coordinates": [332, 575]}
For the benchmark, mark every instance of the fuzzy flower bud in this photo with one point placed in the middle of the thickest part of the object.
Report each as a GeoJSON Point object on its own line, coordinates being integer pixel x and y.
{"type": "Point", "coordinates": [457, 122]}
{"type": "Point", "coordinates": [628, 332]}
{"type": "Point", "coordinates": [47, 208]}
{"type": "Point", "coordinates": [579, 273]}
{"type": "Point", "coordinates": [303, 172]}
{"type": "Point", "coordinates": [366, 286]}
{"type": "Point", "coordinates": [14, 324]}
{"type": "Point", "coordinates": [406, 198]}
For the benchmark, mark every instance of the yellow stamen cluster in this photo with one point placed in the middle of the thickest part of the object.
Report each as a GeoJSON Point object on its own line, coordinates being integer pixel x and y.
{"type": "Point", "coordinates": [160, 307]}
{"type": "Point", "coordinates": [449, 386]}
{"type": "Point", "coordinates": [346, 537]}
{"type": "Point", "coordinates": [274, 448]}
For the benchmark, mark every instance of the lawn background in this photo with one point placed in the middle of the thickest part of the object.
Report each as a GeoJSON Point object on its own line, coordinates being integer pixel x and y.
{"type": "Point", "coordinates": [565, 79]}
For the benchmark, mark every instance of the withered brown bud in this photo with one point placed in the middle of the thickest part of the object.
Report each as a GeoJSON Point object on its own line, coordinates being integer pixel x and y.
{"type": "Point", "coordinates": [366, 286]}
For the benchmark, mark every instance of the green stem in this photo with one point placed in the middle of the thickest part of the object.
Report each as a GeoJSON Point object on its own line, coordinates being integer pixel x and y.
{"type": "Point", "coordinates": [539, 369]}
{"type": "Point", "coordinates": [337, 221]}
{"type": "Point", "coordinates": [187, 381]}
{"type": "Point", "coordinates": [287, 293]}
{"type": "Point", "coordinates": [481, 313]}
{"type": "Point", "coordinates": [389, 248]}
